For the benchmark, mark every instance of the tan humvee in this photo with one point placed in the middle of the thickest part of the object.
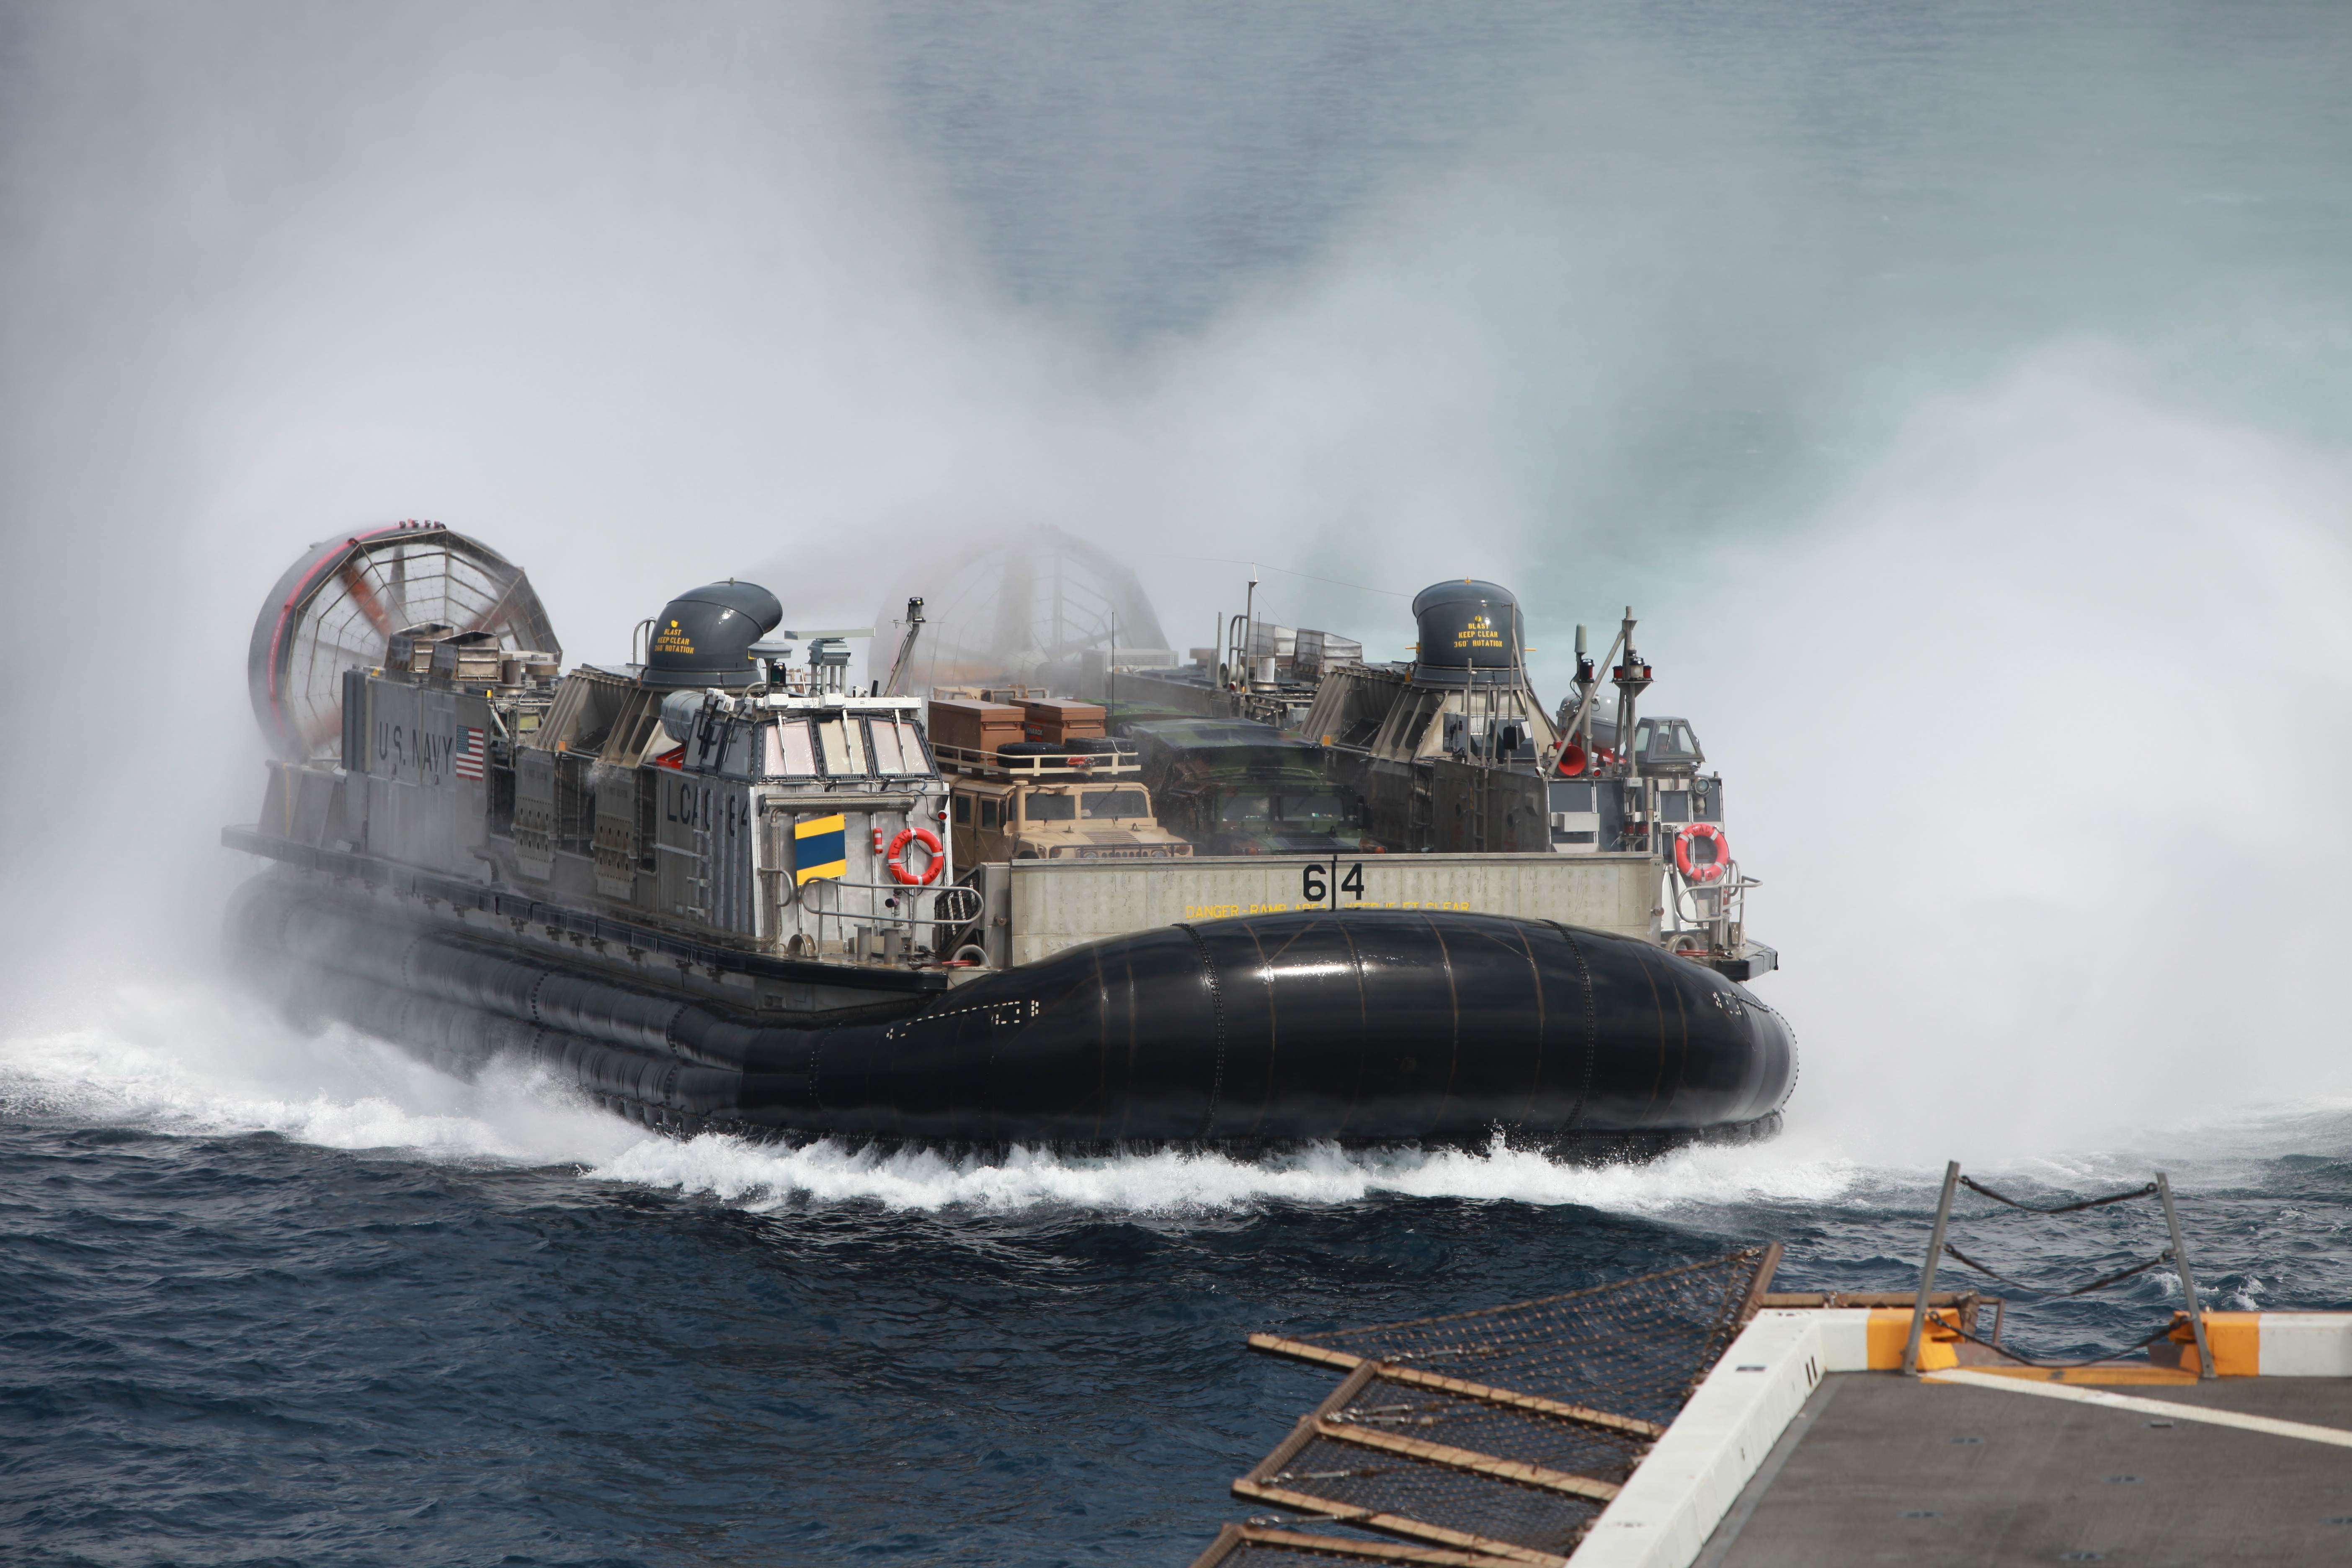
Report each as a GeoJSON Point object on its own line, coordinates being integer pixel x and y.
{"type": "Point", "coordinates": [1052, 808]}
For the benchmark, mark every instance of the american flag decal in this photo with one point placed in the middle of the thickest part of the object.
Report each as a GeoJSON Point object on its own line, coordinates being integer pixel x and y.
{"type": "Point", "coordinates": [468, 764]}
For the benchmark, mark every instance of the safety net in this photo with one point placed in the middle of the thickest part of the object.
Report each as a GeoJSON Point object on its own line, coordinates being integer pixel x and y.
{"type": "Point", "coordinates": [1489, 1435]}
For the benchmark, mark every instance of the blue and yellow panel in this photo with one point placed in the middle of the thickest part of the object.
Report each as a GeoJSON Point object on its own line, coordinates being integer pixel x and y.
{"type": "Point", "coordinates": [820, 848]}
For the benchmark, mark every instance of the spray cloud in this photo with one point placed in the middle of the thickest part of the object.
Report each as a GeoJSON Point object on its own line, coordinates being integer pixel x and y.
{"type": "Point", "coordinates": [1951, 392]}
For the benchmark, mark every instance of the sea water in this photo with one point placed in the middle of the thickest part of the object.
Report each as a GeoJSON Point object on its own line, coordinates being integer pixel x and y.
{"type": "Point", "coordinates": [282, 1298]}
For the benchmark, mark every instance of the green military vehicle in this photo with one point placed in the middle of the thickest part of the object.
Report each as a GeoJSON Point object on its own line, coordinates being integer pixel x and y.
{"type": "Point", "coordinates": [1234, 787]}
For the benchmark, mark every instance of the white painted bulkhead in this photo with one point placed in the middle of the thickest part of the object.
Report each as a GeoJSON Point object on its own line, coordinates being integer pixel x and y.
{"type": "Point", "coordinates": [1056, 904]}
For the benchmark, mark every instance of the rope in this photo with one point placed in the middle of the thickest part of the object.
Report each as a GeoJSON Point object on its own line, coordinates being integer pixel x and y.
{"type": "Point", "coordinates": [1976, 1186]}
{"type": "Point", "coordinates": [2158, 1261]}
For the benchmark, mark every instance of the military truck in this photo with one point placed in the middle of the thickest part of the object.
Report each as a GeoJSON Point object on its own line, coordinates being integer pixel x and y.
{"type": "Point", "coordinates": [1235, 788]}
{"type": "Point", "coordinates": [1052, 808]}
{"type": "Point", "coordinates": [1038, 780]}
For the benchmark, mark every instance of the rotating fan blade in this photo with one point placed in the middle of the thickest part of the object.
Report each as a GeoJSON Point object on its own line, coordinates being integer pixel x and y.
{"type": "Point", "coordinates": [338, 606]}
{"type": "Point", "coordinates": [364, 595]}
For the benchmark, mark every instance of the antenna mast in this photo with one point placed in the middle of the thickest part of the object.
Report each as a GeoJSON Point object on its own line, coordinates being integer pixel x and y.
{"type": "Point", "coordinates": [905, 647]}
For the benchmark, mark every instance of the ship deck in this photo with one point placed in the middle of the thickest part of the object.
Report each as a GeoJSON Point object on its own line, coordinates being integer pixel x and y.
{"type": "Point", "coordinates": [1879, 1468]}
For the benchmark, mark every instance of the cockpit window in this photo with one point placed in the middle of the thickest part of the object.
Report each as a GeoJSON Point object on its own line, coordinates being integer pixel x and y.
{"type": "Point", "coordinates": [741, 757]}
{"type": "Point", "coordinates": [883, 736]}
{"type": "Point", "coordinates": [897, 748]}
{"type": "Point", "coordinates": [843, 745]}
{"type": "Point", "coordinates": [791, 754]}
{"type": "Point", "coordinates": [911, 756]}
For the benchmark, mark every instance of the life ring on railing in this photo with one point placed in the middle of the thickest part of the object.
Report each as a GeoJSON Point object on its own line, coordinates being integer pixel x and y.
{"type": "Point", "coordinates": [1707, 871]}
{"type": "Point", "coordinates": [897, 857]}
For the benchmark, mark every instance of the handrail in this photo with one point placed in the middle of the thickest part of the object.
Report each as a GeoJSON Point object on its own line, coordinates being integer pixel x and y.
{"type": "Point", "coordinates": [1730, 895]}
{"type": "Point", "coordinates": [2175, 1254]}
{"type": "Point", "coordinates": [964, 904]}
{"type": "Point", "coordinates": [1060, 767]}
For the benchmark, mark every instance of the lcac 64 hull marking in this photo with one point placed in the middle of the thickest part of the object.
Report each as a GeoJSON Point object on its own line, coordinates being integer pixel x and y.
{"type": "Point", "coordinates": [1365, 1027]}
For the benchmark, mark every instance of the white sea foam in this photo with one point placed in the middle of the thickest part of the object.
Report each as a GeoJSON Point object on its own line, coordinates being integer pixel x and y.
{"type": "Point", "coordinates": [1174, 1183]}
{"type": "Point", "coordinates": [192, 1059]}
{"type": "Point", "coordinates": [1801, 1170]}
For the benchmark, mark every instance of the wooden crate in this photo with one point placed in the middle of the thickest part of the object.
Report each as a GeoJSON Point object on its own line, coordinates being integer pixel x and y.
{"type": "Point", "coordinates": [1059, 719]}
{"type": "Point", "coordinates": [976, 726]}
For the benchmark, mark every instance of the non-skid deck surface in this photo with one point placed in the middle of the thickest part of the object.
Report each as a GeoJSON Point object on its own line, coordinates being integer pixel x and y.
{"type": "Point", "coordinates": [1878, 1468]}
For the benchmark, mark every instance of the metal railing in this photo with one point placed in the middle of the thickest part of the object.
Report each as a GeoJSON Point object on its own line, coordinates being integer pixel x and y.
{"type": "Point", "coordinates": [1938, 1248]}
{"type": "Point", "coordinates": [951, 907]}
{"type": "Point", "coordinates": [1059, 766]}
{"type": "Point", "coordinates": [1717, 909]}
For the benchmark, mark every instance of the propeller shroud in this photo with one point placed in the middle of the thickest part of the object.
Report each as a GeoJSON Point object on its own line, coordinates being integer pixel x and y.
{"type": "Point", "coordinates": [338, 606]}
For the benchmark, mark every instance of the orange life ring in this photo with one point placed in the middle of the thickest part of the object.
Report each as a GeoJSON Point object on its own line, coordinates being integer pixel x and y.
{"type": "Point", "coordinates": [897, 859]}
{"type": "Point", "coordinates": [1710, 871]}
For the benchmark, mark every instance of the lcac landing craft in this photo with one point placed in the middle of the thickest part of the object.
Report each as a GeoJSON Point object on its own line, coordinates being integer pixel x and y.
{"type": "Point", "coordinates": [714, 887]}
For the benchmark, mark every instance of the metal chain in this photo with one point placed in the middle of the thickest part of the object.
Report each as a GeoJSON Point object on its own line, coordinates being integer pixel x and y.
{"type": "Point", "coordinates": [2158, 1261]}
{"type": "Point", "coordinates": [1979, 1188]}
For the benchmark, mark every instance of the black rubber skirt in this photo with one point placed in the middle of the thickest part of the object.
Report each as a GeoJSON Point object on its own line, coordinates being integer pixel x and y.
{"type": "Point", "coordinates": [1359, 1026]}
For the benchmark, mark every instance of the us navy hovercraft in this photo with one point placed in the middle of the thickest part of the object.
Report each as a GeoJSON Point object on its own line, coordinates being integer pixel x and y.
{"type": "Point", "coordinates": [714, 888]}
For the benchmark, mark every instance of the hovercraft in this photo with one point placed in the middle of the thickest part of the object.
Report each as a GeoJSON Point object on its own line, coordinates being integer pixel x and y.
{"type": "Point", "coordinates": [716, 889]}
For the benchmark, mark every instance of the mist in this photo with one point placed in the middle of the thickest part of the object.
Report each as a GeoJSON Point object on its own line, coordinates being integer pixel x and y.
{"type": "Point", "coordinates": [1960, 396]}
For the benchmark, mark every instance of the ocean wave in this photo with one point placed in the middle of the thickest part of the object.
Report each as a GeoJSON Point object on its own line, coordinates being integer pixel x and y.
{"type": "Point", "coordinates": [1175, 1182]}
{"type": "Point", "coordinates": [198, 1060]}
{"type": "Point", "coordinates": [201, 1061]}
